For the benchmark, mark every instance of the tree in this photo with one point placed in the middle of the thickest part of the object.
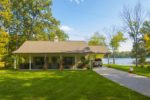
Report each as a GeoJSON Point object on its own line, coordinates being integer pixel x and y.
{"type": "Point", "coordinates": [147, 41]}
{"type": "Point", "coordinates": [4, 38]}
{"type": "Point", "coordinates": [28, 20]}
{"type": "Point", "coordinates": [133, 19]}
{"type": "Point", "coordinates": [5, 20]}
{"type": "Point", "coordinates": [146, 34]}
{"type": "Point", "coordinates": [5, 13]}
{"type": "Point", "coordinates": [115, 43]}
{"type": "Point", "coordinates": [33, 18]}
{"type": "Point", "coordinates": [97, 39]}
{"type": "Point", "coordinates": [60, 33]}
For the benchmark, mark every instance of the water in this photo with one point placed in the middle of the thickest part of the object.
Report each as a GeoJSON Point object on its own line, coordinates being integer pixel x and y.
{"type": "Point", "coordinates": [122, 61]}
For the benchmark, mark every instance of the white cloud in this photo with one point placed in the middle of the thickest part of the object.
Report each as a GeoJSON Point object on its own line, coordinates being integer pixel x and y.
{"type": "Point", "coordinates": [73, 33]}
{"type": "Point", "coordinates": [66, 28]}
{"type": "Point", "coordinates": [77, 1]}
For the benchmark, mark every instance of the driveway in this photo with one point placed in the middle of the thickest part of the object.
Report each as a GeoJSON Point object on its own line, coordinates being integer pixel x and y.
{"type": "Point", "coordinates": [135, 82]}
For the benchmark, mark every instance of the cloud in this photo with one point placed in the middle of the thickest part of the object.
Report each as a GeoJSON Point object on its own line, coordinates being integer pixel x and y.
{"type": "Point", "coordinates": [66, 28]}
{"type": "Point", "coordinates": [72, 33]}
{"type": "Point", "coordinates": [77, 1]}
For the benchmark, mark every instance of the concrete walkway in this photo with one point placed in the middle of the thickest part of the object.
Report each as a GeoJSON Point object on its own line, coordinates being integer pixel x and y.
{"type": "Point", "coordinates": [137, 83]}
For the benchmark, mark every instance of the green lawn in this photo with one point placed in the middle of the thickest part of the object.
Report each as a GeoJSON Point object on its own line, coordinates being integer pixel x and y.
{"type": "Point", "coordinates": [137, 70]}
{"type": "Point", "coordinates": [65, 85]}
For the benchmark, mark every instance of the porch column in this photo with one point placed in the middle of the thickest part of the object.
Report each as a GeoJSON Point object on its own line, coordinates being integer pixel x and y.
{"type": "Point", "coordinates": [61, 63]}
{"type": "Point", "coordinates": [45, 62]}
{"type": "Point", "coordinates": [30, 62]}
{"type": "Point", "coordinates": [91, 63]}
{"type": "Point", "coordinates": [15, 62]}
{"type": "Point", "coordinates": [76, 61]}
{"type": "Point", "coordinates": [108, 58]}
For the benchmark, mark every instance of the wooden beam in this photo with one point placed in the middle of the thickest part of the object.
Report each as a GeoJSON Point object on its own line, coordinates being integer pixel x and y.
{"type": "Point", "coordinates": [61, 63]}
{"type": "Point", "coordinates": [91, 64]}
{"type": "Point", "coordinates": [30, 62]}
{"type": "Point", "coordinates": [75, 66]}
{"type": "Point", "coordinates": [45, 62]}
{"type": "Point", "coordinates": [15, 62]}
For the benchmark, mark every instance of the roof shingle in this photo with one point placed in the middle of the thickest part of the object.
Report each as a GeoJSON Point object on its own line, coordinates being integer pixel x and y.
{"type": "Point", "coordinates": [59, 47]}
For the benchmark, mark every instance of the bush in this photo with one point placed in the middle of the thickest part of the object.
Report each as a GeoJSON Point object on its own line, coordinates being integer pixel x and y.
{"type": "Point", "coordinates": [9, 61]}
{"type": "Point", "coordinates": [84, 63]}
{"type": "Point", "coordinates": [142, 65]}
{"type": "Point", "coordinates": [109, 66]}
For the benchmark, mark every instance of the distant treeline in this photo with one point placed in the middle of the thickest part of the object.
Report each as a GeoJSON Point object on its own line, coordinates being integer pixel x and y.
{"type": "Point", "coordinates": [122, 54]}
{"type": "Point", "coordinates": [126, 54]}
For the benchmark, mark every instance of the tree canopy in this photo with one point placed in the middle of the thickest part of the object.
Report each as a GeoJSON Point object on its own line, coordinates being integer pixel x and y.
{"type": "Point", "coordinates": [4, 39]}
{"type": "Point", "coordinates": [97, 39]}
{"type": "Point", "coordinates": [145, 30]}
{"type": "Point", "coordinates": [133, 19]}
{"type": "Point", "coordinates": [28, 20]}
{"type": "Point", "coordinates": [115, 43]}
{"type": "Point", "coordinates": [5, 12]}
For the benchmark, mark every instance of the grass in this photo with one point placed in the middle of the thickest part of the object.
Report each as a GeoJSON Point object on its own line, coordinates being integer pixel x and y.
{"type": "Point", "coordinates": [145, 71]}
{"type": "Point", "coordinates": [65, 85]}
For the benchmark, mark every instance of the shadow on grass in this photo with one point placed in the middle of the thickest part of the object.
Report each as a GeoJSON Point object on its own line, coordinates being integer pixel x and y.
{"type": "Point", "coordinates": [36, 84]}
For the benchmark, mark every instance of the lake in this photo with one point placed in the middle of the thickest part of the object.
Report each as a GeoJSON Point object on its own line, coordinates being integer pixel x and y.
{"type": "Point", "coordinates": [122, 61]}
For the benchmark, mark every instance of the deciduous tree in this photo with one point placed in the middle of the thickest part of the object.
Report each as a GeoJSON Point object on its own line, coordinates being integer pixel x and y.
{"type": "Point", "coordinates": [5, 13]}
{"type": "Point", "coordinates": [115, 43]}
{"type": "Point", "coordinates": [4, 38]}
{"type": "Point", "coordinates": [133, 19]}
{"type": "Point", "coordinates": [97, 39]}
{"type": "Point", "coordinates": [145, 30]}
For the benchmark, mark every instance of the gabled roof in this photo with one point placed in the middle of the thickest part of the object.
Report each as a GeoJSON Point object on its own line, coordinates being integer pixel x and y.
{"type": "Point", "coordinates": [58, 47]}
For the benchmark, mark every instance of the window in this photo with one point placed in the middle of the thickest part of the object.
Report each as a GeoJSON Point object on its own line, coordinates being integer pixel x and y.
{"type": "Point", "coordinates": [39, 60]}
{"type": "Point", "coordinates": [69, 60]}
{"type": "Point", "coordinates": [54, 60]}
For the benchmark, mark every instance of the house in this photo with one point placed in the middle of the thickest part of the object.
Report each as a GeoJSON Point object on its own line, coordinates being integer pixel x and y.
{"type": "Point", "coordinates": [56, 54]}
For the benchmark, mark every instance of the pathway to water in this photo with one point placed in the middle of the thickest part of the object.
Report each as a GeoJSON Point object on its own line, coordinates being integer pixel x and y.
{"type": "Point", "coordinates": [135, 82]}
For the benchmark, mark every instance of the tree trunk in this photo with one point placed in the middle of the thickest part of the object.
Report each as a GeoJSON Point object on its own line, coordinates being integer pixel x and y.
{"type": "Point", "coordinates": [136, 52]}
{"type": "Point", "coordinates": [108, 58]}
{"type": "Point", "coordinates": [136, 61]}
{"type": "Point", "coordinates": [113, 57]}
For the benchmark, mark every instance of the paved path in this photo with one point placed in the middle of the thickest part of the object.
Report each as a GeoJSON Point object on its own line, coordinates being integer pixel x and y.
{"type": "Point", "coordinates": [137, 83]}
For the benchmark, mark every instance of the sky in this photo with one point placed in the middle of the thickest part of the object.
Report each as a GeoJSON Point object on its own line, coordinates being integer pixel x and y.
{"type": "Point", "coordinates": [81, 18]}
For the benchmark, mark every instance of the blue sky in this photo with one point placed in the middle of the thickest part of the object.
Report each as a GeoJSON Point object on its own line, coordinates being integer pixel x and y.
{"type": "Point", "coordinates": [81, 18]}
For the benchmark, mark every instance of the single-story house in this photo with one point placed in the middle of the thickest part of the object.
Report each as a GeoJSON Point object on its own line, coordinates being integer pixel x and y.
{"type": "Point", "coordinates": [56, 54]}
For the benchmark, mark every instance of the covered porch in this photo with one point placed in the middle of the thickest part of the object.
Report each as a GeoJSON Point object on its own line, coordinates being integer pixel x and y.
{"type": "Point", "coordinates": [49, 61]}
{"type": "Point", "coordinates": [56, 61]}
